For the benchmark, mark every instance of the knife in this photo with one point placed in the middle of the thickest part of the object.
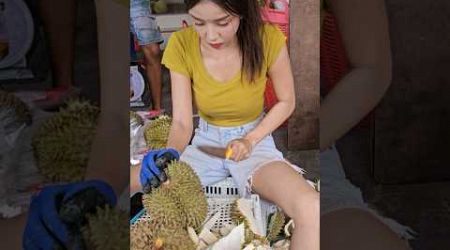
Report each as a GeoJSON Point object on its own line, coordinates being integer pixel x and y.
{"type": "Point", "coordinates": [224, 153]}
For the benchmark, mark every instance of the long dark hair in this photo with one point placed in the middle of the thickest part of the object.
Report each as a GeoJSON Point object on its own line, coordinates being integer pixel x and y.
{"type": "Point", "coordinates": [248, 34]}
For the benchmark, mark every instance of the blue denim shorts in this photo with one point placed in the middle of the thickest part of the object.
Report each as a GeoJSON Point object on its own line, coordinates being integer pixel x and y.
{"type": "Point", "coordinates": [142, 24]}
{"type": "Point", "coordinates": [212, 169]}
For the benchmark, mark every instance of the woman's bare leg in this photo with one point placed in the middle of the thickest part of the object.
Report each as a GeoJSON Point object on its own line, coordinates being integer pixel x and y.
{"type": "Point", "coordinates": [282, 185]}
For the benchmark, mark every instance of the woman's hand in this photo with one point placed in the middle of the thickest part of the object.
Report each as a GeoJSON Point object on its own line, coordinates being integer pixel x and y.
{"type": "Point", "coordinates": [241, 149]}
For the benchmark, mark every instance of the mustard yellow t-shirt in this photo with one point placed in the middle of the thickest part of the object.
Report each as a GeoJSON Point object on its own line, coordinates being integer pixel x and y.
{"type": "Point", "coordinates": [232, 103]}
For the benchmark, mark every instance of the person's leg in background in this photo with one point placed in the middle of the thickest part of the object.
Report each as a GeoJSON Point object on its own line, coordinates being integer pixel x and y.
{"type": "Point", "coordinates": [152, 54]}
{"type": "Point", "coordinates": [58, 19]}
{"type": "Point", "coordinates": [145, 29]}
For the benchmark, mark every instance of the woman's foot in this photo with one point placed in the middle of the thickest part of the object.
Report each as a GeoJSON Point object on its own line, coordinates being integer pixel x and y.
{"type": "Point", "coordinates": [56, 97]}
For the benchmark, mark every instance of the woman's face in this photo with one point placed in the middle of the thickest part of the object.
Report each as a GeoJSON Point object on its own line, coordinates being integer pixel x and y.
{"type": "Point", "coordinates": [216, 27]}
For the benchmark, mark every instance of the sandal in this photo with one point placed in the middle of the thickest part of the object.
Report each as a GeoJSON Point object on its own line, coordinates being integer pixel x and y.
{"type": "Point", "coordinates": [56, 97]}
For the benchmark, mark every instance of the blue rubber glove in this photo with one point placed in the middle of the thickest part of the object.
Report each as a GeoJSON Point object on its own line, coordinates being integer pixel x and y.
{"type": "Point", "coordinates": [152, 171]}
{"type": "Point", "coordinates": [45, 228]}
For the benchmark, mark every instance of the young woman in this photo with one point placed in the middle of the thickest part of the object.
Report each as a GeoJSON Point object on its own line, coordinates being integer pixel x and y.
{"type": "Point", "coordinates": [222, 63]}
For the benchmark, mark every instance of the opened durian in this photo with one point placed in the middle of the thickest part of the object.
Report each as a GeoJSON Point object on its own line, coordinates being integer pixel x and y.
{"type": "Point", "coordinates": [241, 212]}
{"type": "Point", "coordinates": [62, 144]}
{"type": "Point", "coordinates": [157, 132]}
{"type": "Point", "coordinates": [13, 112]}
{"type": "Point", "coordinates": [108, 229]}
{"type": "Point", "coordinates": [184, 203]}
{"type": "Point", "coordinates": [276, 225]}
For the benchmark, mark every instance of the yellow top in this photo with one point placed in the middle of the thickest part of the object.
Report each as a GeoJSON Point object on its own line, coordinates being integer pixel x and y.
{"type": "Point", "coordinates": [232, 103]}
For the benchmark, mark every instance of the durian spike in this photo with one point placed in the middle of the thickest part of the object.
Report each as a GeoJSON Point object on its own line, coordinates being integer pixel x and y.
{"type": "Point", "coordinates": [276, 225]}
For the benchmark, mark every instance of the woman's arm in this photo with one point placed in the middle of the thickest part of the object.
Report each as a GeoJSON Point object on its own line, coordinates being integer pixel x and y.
{"type": "Point", "coordinates": [364, 29]}
{"type": "Point", "coordinates": [181, 129]}
{"type": "Point", "coordinates": [283, 83]}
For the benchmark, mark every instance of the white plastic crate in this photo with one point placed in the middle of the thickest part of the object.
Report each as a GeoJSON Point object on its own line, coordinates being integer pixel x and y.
{"type": "Point", "coordinates": [220, 197]}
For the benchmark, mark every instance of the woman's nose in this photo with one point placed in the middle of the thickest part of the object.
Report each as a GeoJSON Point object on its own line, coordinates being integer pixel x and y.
{"type": "Point", "coordinates": [211, 34]}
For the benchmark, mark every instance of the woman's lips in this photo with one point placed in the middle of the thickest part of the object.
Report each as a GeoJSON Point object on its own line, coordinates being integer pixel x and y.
{"type": "Point", "coordinates": [216, 45]}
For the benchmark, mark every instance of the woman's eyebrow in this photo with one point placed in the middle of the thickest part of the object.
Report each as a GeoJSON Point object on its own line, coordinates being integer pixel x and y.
{"type": "Point", "coordinates": [215, 20]}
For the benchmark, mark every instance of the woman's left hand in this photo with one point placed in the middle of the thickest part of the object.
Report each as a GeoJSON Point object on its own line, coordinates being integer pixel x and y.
{"type": "Point", "coordinates": [241, 149]}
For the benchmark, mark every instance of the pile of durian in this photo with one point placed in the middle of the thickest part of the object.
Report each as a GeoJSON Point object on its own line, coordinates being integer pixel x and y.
{"type": "Point", "coordinates": [176, 219]}
{"type": "Point", "coordinates": [173, 207]}
{"type": "Point", "coordinates": [62, 144]}
{"type": "Point", "coordinates": [157, 132]}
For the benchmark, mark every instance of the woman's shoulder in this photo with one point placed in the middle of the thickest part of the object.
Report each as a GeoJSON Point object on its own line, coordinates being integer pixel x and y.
{"type": "Point", "coordinates": [271, 30]}
{"type": "Point", "coordinates": [185, 35]}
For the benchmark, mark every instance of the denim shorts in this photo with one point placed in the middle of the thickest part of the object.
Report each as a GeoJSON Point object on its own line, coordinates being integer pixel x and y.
{"type": "Point", "coordinates": [212, 169]}
{"type": "Point", "coordinates": [142, 24]}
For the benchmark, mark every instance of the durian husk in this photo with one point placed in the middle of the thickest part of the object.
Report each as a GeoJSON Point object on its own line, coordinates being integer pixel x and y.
{"type": "Point", "coordinates": [238, 218]}
{"type": "Point", "coordinates": [107, 229]}
{"type": "Point", "coordinates": [157, 132]}
{"type": "Point", "coordinates": [20, 109]}
{"type": "Point", "coordinates": [134, 117]}
{"type": "Point", "coordinates": [62, 144]}
{"type": "Point", "coordinates": [276, 225]}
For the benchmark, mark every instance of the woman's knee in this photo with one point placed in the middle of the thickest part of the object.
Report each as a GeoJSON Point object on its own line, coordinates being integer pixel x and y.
{"type": "Point", "coordinates": [306, 208]}
{"type": "Point", "coordinates": [152, 52]}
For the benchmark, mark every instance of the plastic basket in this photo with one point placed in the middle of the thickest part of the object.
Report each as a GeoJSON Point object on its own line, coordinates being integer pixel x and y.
{"type": "Point", "coordinates": [220, 198]}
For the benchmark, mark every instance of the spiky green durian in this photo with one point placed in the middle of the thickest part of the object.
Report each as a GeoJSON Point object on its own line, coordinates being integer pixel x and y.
{"type": "Point", "coordinates": [276, 225]}
{"type": "Point", "coordinates": [62, 144]}
{"type": "Point", "coordinates": [149, 234]}
{"type": "Point", "coordinates": [17, 110]}
{"type": "Point", "coordinates": [180, 201]}
{"type": "Point", "coordinates": [140, 235]}
{"type": "Point", "coordinates": [163, 208]}
{"type": "Point", "coordinates": [157, 132]}
{"type": "Point", "coordinates": [108, 229]}
{"type": "Point", "coordinates": [186, 187]}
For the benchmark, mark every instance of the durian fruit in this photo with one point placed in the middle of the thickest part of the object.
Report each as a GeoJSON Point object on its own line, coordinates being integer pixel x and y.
{"type": "Point", "coordinates": [163, 208]}
{"type": "Point", "coordinates": [180, 201]}
{"type": "Point", "coordinates": [157, 132]}
{"type": "Point", "coordinates": [107, 229]}
{"type": "Point", "coordinates": [14, 109]}
{"type": "Point", "coordinates": [276, 225]}
{"type": "Point", "coordinates": [62, 144]}
{"type": "Point", "coordinates": [140, 235]}
{"type": "Point", "coordinates": [186, 187]}
{"type": "Point", "coordinates": [149, 234]}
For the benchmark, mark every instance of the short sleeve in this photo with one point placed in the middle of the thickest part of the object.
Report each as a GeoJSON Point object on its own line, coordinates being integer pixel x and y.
{"type": "Point", "coordinates": [175, 55]}
{"type": "Point", "coordinates": [273, 40]}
